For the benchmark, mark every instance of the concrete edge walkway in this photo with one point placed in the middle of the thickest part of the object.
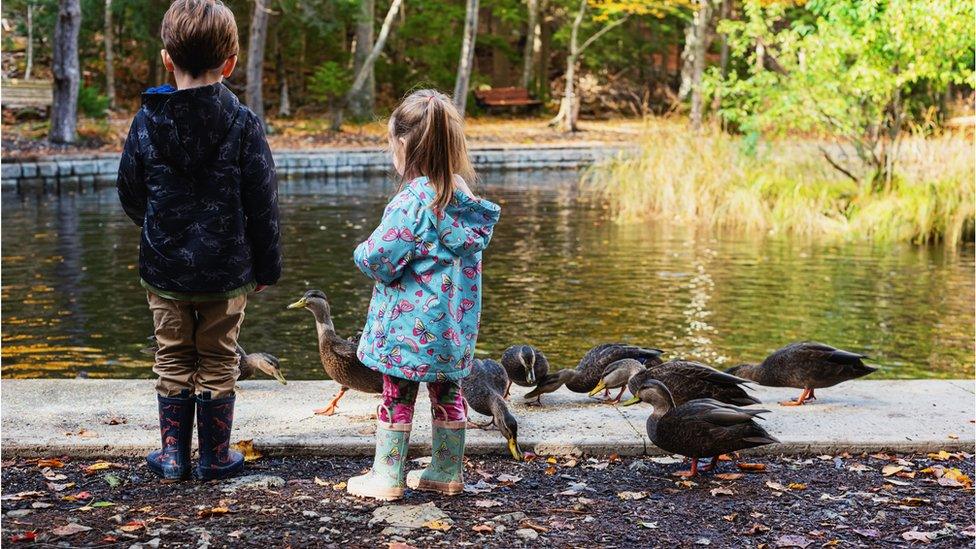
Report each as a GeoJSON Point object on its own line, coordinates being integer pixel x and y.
{"type": "Point", "coordinates": [42, 417]}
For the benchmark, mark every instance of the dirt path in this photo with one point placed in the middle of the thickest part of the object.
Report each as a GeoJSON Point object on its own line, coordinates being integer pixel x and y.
{"type": "Point", "coordinates": [796, 501]}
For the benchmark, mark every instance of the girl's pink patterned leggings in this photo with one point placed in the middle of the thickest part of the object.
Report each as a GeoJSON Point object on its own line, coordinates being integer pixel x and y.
{"type": "Point", "coordinates": [399, 395]}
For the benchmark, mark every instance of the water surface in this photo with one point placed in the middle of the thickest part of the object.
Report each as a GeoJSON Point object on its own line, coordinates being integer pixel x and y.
{"type": "Point", "coordinates": [558, 275]}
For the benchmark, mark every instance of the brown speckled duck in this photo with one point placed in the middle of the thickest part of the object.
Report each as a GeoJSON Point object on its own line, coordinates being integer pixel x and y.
{"type": "Point", "coordinates": [338, 355]}
{"type": "Point", "coordinates": [806, 365]}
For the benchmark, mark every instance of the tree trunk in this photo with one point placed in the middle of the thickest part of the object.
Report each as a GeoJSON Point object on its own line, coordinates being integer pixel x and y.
{"type": "Point", "coordinates": [30, 41]}
{"type": "Point", "coordinates": [67, 73]}
{"type": "Point", "coordinates": [360, 79]}
{"type": "Point", "coordinates": [533, 43]}
{"type": "Point", "coordinates": [284, 102]}
{"type": "Point", "coordinates": [542, 84]}
{"type": "Point", "coordinates": [700, 43]}
{"type": "Point", "coordinates": [362, 104]}
{"type": "Point", "coordinates": [109, 56]}
{"type": "Point", "coordinates": [255, 59]}
{"type": "Point", "coordinates": [465, 64]}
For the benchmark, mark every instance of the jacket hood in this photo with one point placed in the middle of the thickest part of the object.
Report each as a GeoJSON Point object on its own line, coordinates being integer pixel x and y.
{"type": "Point", "coordinates": [188, 126]}
{"type": "Point", "coordinates": [465, 225]}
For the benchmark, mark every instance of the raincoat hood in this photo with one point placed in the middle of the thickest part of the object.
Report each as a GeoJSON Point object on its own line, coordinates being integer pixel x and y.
{"type": "Point", "coordinates": [189, 126]}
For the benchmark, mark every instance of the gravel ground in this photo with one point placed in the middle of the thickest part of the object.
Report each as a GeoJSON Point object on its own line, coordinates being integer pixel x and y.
{"type": "Point", "coordinates": [795, 501]}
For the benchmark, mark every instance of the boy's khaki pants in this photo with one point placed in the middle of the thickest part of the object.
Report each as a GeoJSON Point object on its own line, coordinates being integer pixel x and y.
{"type": "Point", "coordinates": [197, 344]}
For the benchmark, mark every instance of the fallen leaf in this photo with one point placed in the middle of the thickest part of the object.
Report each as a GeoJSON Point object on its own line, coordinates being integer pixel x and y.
{"type": "Point", "coordinates": [796, 486]}
{"type": "Point", "coordinates": [731, 517]}
{"type": "Point", "coordinates": [614, 457]}
{"type": "Point", "coordinates": [942, 455]}
{"type": "Point", "coordinates": [102, 504]}
{"type": "Point", "coordinates": [101, 466]}
{"type": "Point", "coordinates": [551, 459]}
{"type": "Point", "coordinates": [321, 482]}
{"type": "Point", "coordinates": [793, 541]}
{"type": "Point", "coordinates": [41, 505]}
{"type": "Point", "coordinates": [21, 495]}
{"type": "Point", "coordinates": [666, 460]}
{"type": "Point", "coordinates": [483, 528]}
{"type": "Point", "coordinates": [246, 448]}
{"type": "Point", "coordinates": [487, 503]}
{"type": "Point", "coordinates": [955, 478]}
{"type": "Point", "coordinates": [52, 476]}
{"type": "Point", "coordinates": [50, 462]}
{"type": "Point", "coordinates": [757, 529]}
{"type": "Point", "coordinates": [529, 456]}
{"type": "Point", "coordinates": [686, 483]}
{"type": "Point", "coordinates": [722, 491]}
{"type": "Point", "coordinates": [212, 511]}
{"type": "Point", "coordinates": [533, 525]}
{"type": "Point", "coordinates": [889, 470]}
{"type": "Point", "coordinates": [112, 480]}
{"type": "Point", "coordinates": [56, 487]}
{"type": "Point", "coordinates": [340, 486]}
{"type": "Point", "coordinates": [729, 476]}
{"type": "Point", "coordinates": [440, 525]}
{"type": "Point", "coordinates": [399, 545]}
{"type": "Point", "coordinates": [776, 486]}
{"type": "Point", "coordinates": [752, 467]}
{"type": "Point", "coordinates": [631, 495]}
{"type": "Point", "coordinates": [915, 535]}
{"type": "Point", "coordinates": [650, 525]}
{"type": "Point", "coordinates": [859, 468]}
{"type": "Point", "coordinates": [78, 496]}
{"type": "Point", "coordinates": [953, 436]}
{"type": "Point", "coordinates": [69, 529]}
{"type": "Point", "coordinates": [570, 463]}
{"type": "Point", "coordinates": [551, 470]}
{"type": "Point", "coordinates": [133, 526]}
{"type": "Point", "coordinates": [510, 479]}
{"type": "Point", "coordinates": [867, 532]}
{"type": "Point", "coordinates": [30, 535]}
{"type": "Point", "coordinates": [914, 502]}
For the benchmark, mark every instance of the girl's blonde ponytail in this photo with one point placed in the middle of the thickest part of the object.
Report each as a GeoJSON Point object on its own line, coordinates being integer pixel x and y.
{"type": "Point", "coordinates": [432, 131]}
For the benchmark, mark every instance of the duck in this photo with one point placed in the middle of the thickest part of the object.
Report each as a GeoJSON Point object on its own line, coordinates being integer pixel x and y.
{"type": "Point", "coordinates": [338, 355]}
{"type": "Point", "coordinates": [806, 365]}
{"type": "Point", "coordinates": [686, 379]}
{"type": "Point", "coordinates": [525, 366]}
{"type": "Point", "coordinates": [592, 367]}
{"type": "Point", "coordinates": [250, 363]}
{"type": "Point", "coordinates": [483, 391]}
{"type": "Point", "coordinates": [700, 428]}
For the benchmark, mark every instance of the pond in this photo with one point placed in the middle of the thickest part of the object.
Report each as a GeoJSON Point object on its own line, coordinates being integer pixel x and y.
{"type": "Point", "coordinates": [559, 275]}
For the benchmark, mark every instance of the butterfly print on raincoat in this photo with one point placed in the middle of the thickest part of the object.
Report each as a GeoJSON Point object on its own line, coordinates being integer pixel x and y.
{"type": "Point", "coordinates": [427, 269]}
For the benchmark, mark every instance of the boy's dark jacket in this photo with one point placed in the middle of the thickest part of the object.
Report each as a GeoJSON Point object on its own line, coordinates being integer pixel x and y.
{"type": "Point", "coordinates": [197, 175]}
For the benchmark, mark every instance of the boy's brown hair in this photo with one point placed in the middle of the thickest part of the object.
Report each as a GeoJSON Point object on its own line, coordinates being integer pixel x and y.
{"type": "Point", "coordinates": [199, 35]}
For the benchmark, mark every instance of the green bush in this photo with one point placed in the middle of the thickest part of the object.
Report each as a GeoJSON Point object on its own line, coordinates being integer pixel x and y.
{"type": "Point", "coordinates": [329, 82]}
{"type": "Point", "coordinates": [91, 103]}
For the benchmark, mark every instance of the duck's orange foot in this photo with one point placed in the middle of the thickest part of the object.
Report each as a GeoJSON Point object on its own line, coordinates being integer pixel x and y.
{"type": "Point", "coordinates": [791, 403]}
{"type": "Point", "coordinates": [327, 411]}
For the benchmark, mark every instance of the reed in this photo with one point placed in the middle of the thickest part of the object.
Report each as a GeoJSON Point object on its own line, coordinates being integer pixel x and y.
{"type": "Point", "coordinates": [787, 188]}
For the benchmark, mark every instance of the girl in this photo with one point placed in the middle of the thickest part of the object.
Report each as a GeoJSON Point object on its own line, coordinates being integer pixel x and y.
{"type": "Point", "coordinates": [425, 312]}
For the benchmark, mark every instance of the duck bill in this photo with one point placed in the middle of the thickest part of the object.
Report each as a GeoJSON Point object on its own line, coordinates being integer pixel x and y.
{"type": "Point", "coordinates": [280, 377]}
{"type": "Point", "coordinates": [513, 447]}
{"type": "Point", "coordinates": [630, 401]}
{"type": "Point", "coordinates": [530, 376]}
{"type": "Point", "coordinates": [298, 304]}
{"type": "Point", "coordinates": [599, 387]}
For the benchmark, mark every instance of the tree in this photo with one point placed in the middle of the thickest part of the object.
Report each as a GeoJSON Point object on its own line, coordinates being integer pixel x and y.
{"type": "Point", "coordinates": [465, 64]}
{"type": "Point", "coordinates": [67, 72]}
{"type": "Point", "coordinates": [359, 80]}
{"type": "Point", "coordinates": [255, 58]}
{"type": "Point", "coordinates": [855, 72]}
{"type": "Point", "coordinates": [533, 42]}
{"type": "Point", "coordinates": [569, 106]}
{"type": "Point", "coordinates": [698, 39]}
{"type": "Point", "coordinates": [30, 41]}
{"type": "Point", "coordinates": [108, 35]}
{"type": "Point", "coordinates": [363, 103]}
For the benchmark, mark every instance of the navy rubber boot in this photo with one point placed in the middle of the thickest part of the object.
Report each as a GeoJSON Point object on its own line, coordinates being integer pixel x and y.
{"type": "Point", "coordinates": [172, 462]}
{"type": "Point", "coordinates": [215, 418]}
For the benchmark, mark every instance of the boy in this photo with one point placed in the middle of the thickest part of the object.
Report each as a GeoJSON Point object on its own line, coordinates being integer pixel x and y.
{"type": "Point", "coordinates": [197, 175]}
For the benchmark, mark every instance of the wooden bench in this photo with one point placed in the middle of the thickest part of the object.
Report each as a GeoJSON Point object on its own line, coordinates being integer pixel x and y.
{"type": "Point", "coordinates": [26, 94]}
{"type": "Point", "coordinates": [505, 97]}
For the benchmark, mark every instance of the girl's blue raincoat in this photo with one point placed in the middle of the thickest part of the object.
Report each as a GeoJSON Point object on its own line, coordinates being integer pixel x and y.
{"type": "Point", "coordinates": [425, 312]}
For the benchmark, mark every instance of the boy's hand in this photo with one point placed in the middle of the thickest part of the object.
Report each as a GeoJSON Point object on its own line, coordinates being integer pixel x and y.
{"type": "Point", "coordinates": [260, 288]}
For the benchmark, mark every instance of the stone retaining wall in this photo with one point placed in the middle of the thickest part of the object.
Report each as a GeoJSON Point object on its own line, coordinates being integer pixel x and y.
{"type": "Point", "coordinates": [81, 172]}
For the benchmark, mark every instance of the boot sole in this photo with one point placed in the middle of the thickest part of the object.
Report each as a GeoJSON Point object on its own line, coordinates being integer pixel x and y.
{"type": "Point", "coordinates": [382, 494]}
{"type": "Point", "coordinates": [446, 488]}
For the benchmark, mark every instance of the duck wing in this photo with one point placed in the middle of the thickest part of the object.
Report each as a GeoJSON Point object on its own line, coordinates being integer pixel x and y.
{"type": "Point", "coordinates": [706, 427]}
{"type": "Point", "coordinates": [814, 364]}
{"type": "Point", "coordinates": [594, 363]}
{"type": "Point", "coordinates": [487, 377]}
{"type": "Point", "coordinates": [688, 380]}
{"type": "Point", "coordinates": [346, 369]}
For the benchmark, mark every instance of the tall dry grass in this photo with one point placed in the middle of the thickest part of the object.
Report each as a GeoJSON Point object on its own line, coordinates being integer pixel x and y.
{"type": "Point", "coordinates": [787, 187]}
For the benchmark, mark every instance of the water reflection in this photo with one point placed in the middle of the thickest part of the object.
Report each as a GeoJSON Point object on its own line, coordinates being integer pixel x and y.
{"type": "Point", "coordinates": [558, 275]}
